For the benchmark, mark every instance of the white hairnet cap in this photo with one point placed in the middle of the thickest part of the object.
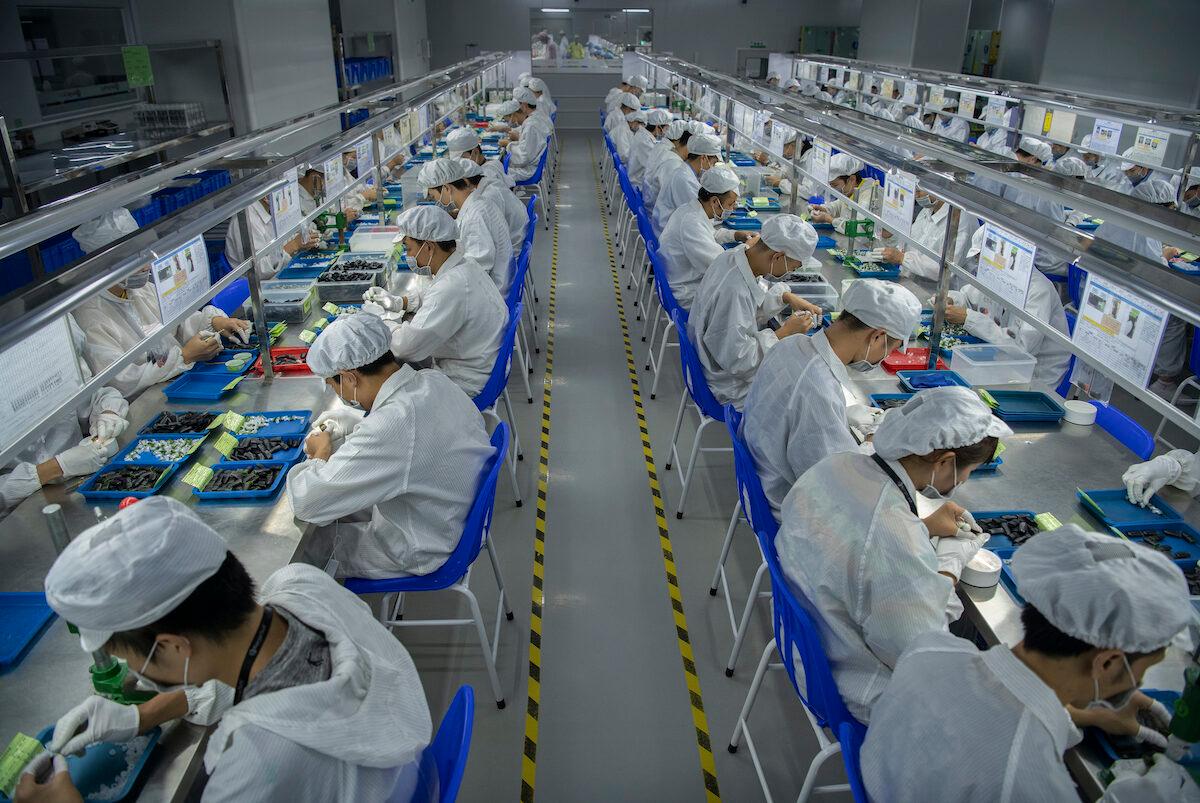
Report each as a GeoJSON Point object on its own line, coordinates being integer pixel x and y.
{"type": "Point", "coordinates": [461, 140]}
{"type": "Point", "coordinates": [789, 138]}
{"type": "Point", "coordinates": [1105, 591]}
{"type": "Point", "coordinates": [508, 107]}
{"type": "Point", "coordinates": [109, 227]}
{"type": "Point", "coordinates": [471, 168]}
{"type": "Point", "coordinates": [883, 305]}
{"type": "Point", "coordinates": [942, 418]}
{"type": "Point", "coordinates": [524, 75]}
{"type": "Point", "coordinates": [537, 84]}
{"type": "Point", "coordinates": [442, 171]}
{"type": "Point", "coordinates": [675, 129]}
{"type": "Point", "coordinates": [658, 117]}
{"type": "Point", "coordinates": [630, 100]}
{"type": "Point", "coordinates": [976, 242]}
{"type": "Point", "coordinates": [1155, 190]}
{"type": "Point", "coordinates": [795, 238]}
{"type": "Point", "coordinates": [719, 180]}
{"type": "Point", "coordinates": [703, 145]}
{"type": "Point", "coordinates": [133, 569]}
{"type": "Point", "coordinates": [791, 84]}
{"type": "Point", "coordinates": [426, 222]}
{"type": "Point", "coordinates": [1086, 143]}
{"type": "Point", "coordinates": [773, 76]}
{"type": "Point", "coordinates": [1037, 148]}
{"type": "Point", "coordinates": [843, 164]}
{"type": "Point", "coordinates": [524, 94]}
{"type": "Point", "coordinates": [1071, 166]}
{"type": "Point", "coordinates": [350, 342]}
{"type": "Point", "coordinates": [636, 116]}
{"type": "Point", "coordinates": [639, 81]}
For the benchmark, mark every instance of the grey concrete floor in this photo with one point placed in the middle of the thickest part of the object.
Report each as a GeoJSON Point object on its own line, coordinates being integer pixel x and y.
{"type": "Point", "coordinates": [615, 722]}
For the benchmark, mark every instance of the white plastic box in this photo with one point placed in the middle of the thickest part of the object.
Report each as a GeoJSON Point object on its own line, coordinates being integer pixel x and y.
{"type": "Point", "coordinates": [988, 364]}
{"type": "Point", "coordinates": [373, 238]}
{"type": "Point", "coordinates": [821, 293]}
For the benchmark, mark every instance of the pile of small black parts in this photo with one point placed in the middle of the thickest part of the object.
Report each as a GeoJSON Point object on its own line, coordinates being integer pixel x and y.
{"type": "Point", "coordinates": [287, 359]}
{"type": "Point", "coordinates": [887, 404]}
{"type": "Point", "coordinates": [250, 478]}
{"type": "Point", "coordinates": [1192, 576]}
{"type": "Point", "coordinates": [132, 478]}
{"type": "Point", "coordinates": [262, 448]}
{"type": "Point", "coordinates": [1155, 539]}
{"type": "Point", "coordinates": [1016, 527]}
{"type": "Point", "coordinates": [173, 423]}
{"type": "Point", "coordinates": [359, 264]}
{"type": "Point", "coordinates": [345, 276]}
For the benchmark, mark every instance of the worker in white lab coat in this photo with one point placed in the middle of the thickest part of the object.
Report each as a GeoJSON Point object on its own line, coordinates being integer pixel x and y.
{"type": "Point", "coordinates": [464, 143]}
{"type": "Point", "coordinates": [545, 101]}
{"type": "Point", "coordinates": [1103, 170]}
{"type": "Point", "coordinates": [781, 179]}
{"type": "Point", "coordinates": [613, 97]}
{"type": "Point", "coordinates": [682, 185]}
{"type": "Point", "coordinates": [483, 235]}
{"type": "Point", "coordinates": [878, 570]}
{"type": "Point", "coordinates": [623, 136]}
{"type": "Point", "coordinates": [728, 322]}
{"type": "Point", "coordinates": [663, 159]}
{"type": "Point", "coordinates": [119, 317]}
{"type": "Point", "coordinates": [929, 229]}
{"type": "Point", "coordinates": [1062, 160]}
{"type": "Point", "coordinates": [796, 410]}
{"type": "Point", "coordinates": [1098, 613]}
{"type": "Point", "coordinates": [615, 118]}
{"type": "Point", "coordinates": [1191, 194]}
{"type": "Point", "coordinates": [694, 235]}
{"type": "Point", "coordinates": [773, 79]}
{"type": "Point", "coordinates": [643, 143]}
{"type": "Point", "coordinates": [60, 451]}
{"type": "Point", "coordinates": [527, 142]}
{"type": "Point", "coordinates": [1033, 151]}
{"type": "Point", "coordinates": [991, 320]}
{"type": "Point", "coordinates": [843, 177]}
{"type": "Point", "coordinates": [312, 698]}
{"type": "Point", "coordinates": [949, 124]}
{"type": "Point", "coordinates": [410, 467]}
{"type": "Point", "coordinates": [458, 318]}
{"type": "Point", "coordinates": [262, 232]}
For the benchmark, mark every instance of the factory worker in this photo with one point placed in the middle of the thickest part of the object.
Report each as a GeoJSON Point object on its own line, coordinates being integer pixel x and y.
{"type": "Point", "coordinates": [929, 229]}
{"type": "Point", "coordinates": [1178, 468]}
{"type": "Point", "coordinates": [313, 698]}
{"type": "Point", "coordinates": [545, 101]}
{"type": "Point", "coordinates": [407, 467]}
{"type": "Point", "coordinates": [1191, 194]}
{"type": "Point", "coordinates": [613, 97]}
{"type": "Point", "coordinates": [1103, 170]}
{"type": "Point", "coordinates": [796, 411]}
{"type": "Point", "coordinates": [843, 177]}
{"type": "Point", "coordinates": [1137, 173]}
{"type": "Point", "coordinates": [527, 143]}
{"type": "Point", "coordinates": [1032, 151]}
{"type": "Point", "coordinates": [663, 160]}
{"type": "Point", "coordinates": [118, 318]}
{"type": "Point", "coordinates": [262, 232]}
{"type": "Point", "coordinates": [627, 103]}
{"type": "Point", "coordinates": [1065, 162]}
{"type": "Point", "coordinates": [639, 84]}
{"type": "Point", "coordinates": [825, 93]}
{"type": "Point", "coordinates": [778, 178]}
{"type": "Point", "coordinates": [459, 317]}
{"type": "Point", "coordinates": [61, 451]}
{"type": "Point", "coordinates": [1099, 611]}
{"type": "Point", "coordinates": [728, 322]}
{"type": "Point", "coordinates": [483, 235]}
{"type": "Point", "coordinates": [623, 137]}
{"type": "Point", "coordinates": [949, 125]}
{"type": "Point", "coordinates": [464, 143]}
{"type": "Point", "coordinates": [683, 183]}
{"type": "Point", "coordinates": [990, 320]}
{"type": "Point", "coordinates": [773, 80]}
{"type": "Point", "coordinates": [852, 539]}
{"type": "Point", "coordinates": [792, 87]}
{"type": "Point", "coordinates": [643, 142]}
{"type": "Point", "coordinates": [994, 139]}
{"type": "Point", "coordinates": [693, 236]}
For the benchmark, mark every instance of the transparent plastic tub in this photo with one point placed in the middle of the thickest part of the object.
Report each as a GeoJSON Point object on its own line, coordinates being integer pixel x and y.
{"type": "Point", "coordinates": [347, 292]}
{"type": "Point", "coordinates": [290, 301]}
{"type": "Point", "coordinates": [373, 238]}
{"type": "Point", "coordinates": [820, 293]}
{"type": "Point", "coordinates": [987, 364]}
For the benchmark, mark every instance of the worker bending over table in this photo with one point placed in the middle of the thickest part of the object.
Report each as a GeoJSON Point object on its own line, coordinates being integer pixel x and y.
{"type": "Point", "coordinates": [843, 177]}
{"type": "Point", "coordinates": [483, 235]}
{"type": "Point", "coordinates": [464, 143]}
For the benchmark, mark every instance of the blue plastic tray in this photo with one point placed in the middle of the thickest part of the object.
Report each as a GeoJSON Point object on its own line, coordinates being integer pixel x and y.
{"type": "Point", "coordinates": [310, 270]}
{"type": "Point", "coordinates": [120, 457]}
{"type": "Point", "coordinates": [743, 223]}
{"type": "Point", "coordinates": [989, 467]}
{"type": "Point", "coordinates": [877, 270]}
{"type": "Point", "coordinates": [217, 364]}
{"type": "Point", "coordinates": [87, 493]}
{"type": "Point", "coordinates": [1117, 511]}
{"type": "Point", "coordinates": [1006, 575]}
{"type": "Point", "coordinates": [152, 421]}
{"type": "Point", "coordinates": [1087, 225]}
{"type": "Point", "coordinates": [816, 200]}
{"type": "Point", "coordinates": [824, 241]}
{"type": "Point", "coordinates": [290, 456]}
{"type": "Point", "coordinates": [997, 542]}
{"type": "Point", "coordinates": [203, 386]}
{"type": "Point", "coordinates": [101, 765]}
{"type": "Point", "coordinates": [283, 427]}
{"type": "Point", "coordinates": [1189, 268]}
{"type": "Point", "coordinates": [24, 617]}
{"type": "Point", "coordinates": [876, 398]}
{"type": "Point", "coordinates": [913, 381]}
{"type": "Point", "coordinates": [772, 205]}
{"type": "Point", "coordinates": [1177, 544]}
{"type": "Point", "coordinates": [245, 496]}
{"type": "Point", "coordinates": [1026, 405]}
{"type": "Point", "coordinates": [822, 227]}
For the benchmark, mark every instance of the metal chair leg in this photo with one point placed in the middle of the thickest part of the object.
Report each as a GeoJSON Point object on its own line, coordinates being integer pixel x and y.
{"type": "Point", "coordinates": [744, 624]}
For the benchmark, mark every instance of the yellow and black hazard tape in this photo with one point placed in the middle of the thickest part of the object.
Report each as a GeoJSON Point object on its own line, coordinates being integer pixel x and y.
{"type": "Point", "coordinates": [699, 718]}
{"type": "Point", "coordinates": [533, 703]}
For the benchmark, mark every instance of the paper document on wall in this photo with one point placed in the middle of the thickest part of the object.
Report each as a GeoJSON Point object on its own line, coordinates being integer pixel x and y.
{"type": "Point", "coordinates": [910, 92]}
{"type": "Point", "coordinates": [285, 204]}
{"type": "Point", "coordinates": [1062, 126]}
{"type": "Point", "coordinates": [994, 112]}
{"type": "Point", "coordinates": [887, 88]}
{"type": "Point", "coordinates": [1006, 264]}
{"type": "Point", "coordinates": [966, 104]}
{"type": "Point", "coordinates": [821, 154]}
{"type": "Point", "coordinates": [181, 277]}
{"type": "Point", "coordinates": [899, 192]}
{"type": "Point", "coordinates": [1119, 330]}
{"type": "Point", "coordinates": [937, 97]}
{"type": "Point", "coordinates": [1150, 145]}
{"type": "Point", "coordinates": [335, 175]}
{"type": "Point", "coordinates": [391, 141]}
{"type": "Point", "coordinates": [41, 372]}
{"type": "Point", "coordinates": [1106, 136]}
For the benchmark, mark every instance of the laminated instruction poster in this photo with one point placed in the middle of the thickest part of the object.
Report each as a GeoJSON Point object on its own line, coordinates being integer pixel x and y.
{"type": "Point", "coordinates": [966, 104]}
{"type": "Point", "coordinates": [1006, 264]}
{"type": "Point", "coordinates": [391, 141]}
{"type": "Point", "coordinates": [821, 154]}
{"type": "Point", "coordinates": [1150, 145]}
{"type": "Point", "coordinates": [1106, 136]}
{"type": "Point", "coordinates": [993, 113]}
{"type": "Point", "coordinates": [335, 175]}
{"type": "Point", "coordinates": [365, 158]}
{"type": "Point", "coordinates": [899, 192]}
{"type": "Point", "coordinates": [285, 204]}
{"type": "Point", "coordinates": [779, 136]}
{"type": "Point", "coordinates": [181, 278]}
{"type": "Point", "coordinates": [41, 373]}
{"type": "Point", "coordinates": [1119, 330]}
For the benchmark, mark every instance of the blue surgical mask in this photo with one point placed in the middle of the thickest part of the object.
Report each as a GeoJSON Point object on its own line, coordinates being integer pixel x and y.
{"type": "Point", "coordinates": [352, 165]}
{"type": "Point", "coordinates": [1117, 701]}
{"type": "Point", "coordinates": [931, 492]}
{"type": "Point", "coordinates": [418, 268]}
{"type": "Point", "coordinates": [924, 202]}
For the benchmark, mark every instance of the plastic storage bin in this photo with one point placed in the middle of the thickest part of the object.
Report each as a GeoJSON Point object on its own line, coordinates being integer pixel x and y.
{"type": "Point", "coordinates": [297, 426]}
{"type": "Point", "coordinates": [203, 386]}
{"type": "Point", "coordinates": [290, 456]}
{"type": "Point", "coordinates": [24, 617]}
{"type": "Point", "coordinates": [1112, 506]}
{"type": "Point", "coordinates": [290, 301]}
{"type": "Point", "coordinates": [290, 369]}
{"type": "Point", "coordinates": [374, 238]}
{"type": "Point", "coordinates": [820, 293]}
{"type": "Point", "coordinates": [89, 492]}
{"type": "Point", "coordinates": [145, 430]}
{"type": "Point", "coordinates": [987, 364]}
{"type": "Point", "coordinates": [123, 456]}
{"type": "Point", "coordinates": [282, 467]}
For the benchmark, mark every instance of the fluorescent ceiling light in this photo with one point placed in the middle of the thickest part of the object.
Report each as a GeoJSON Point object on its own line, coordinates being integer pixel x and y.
{"type": "Point", "coordinates": [556, 11]}
{"type": "Point", "coordinates": [636, 10]}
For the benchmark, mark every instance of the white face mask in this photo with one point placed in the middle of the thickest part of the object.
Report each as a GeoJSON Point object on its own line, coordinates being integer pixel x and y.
{"type": "Point", "coordinates": [206, 703]}
{"type": "Point", "coordinates": [417, 267]}
{"type": "Point", "coordinates": [722, 213]}
{"type": "Point", "coordinates": [931, 492]}
{"type": "Point", "coordinates": [354, 403]}
{"type": "Point", "coordinates": [924, 202]}
{"type": "Point", "coordinates": [865, 365]}
{"type": "Point", "coordinates": [1117, 701]}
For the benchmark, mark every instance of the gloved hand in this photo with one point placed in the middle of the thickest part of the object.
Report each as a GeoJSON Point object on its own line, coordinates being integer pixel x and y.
{"type": "Point", "coordinates": [1144, 480]}
{"type": "Point", "coordinates": [377, 295]}
{"type": "Point", "coordinates": [413, 299]}
{"type": "Point", "coordinates": [87, 457]}
{"type": "Point", "coordinates": [46, 778]}
{"type": "Point", "coordinates": [863, 417]}
{"type": "Point", "coordinates": [94, 720]}
{"type": "Point", "coordinates": [955, 553]}
{"type": "Point", "coordinates": [954, 297]}
{"type": "Point", "coordinates": [371, 308]}
{"type": "Point", "coordinates": [108, 425]}
{"type": "Point", "coordinates": [337, 422]}
{"type": "Point", "coordinates": [968, 526]}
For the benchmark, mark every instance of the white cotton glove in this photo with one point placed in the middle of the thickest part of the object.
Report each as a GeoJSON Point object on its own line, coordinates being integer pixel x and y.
{"type": "Point", "coordinates": [384, 299]}
{"type": "Point", "coordinates": [94, 720]}
{"type": "Point", "coordinates": [337, 422]}
{"type": "Point", "coordinates": [1144, 480]}
{"type": "Point", "coordinates": [968, 526]}
{"type": "Point", "coordinates": [413, 299]}
{"type": "Point", "coordinates": [954, 297]}
{"type": "Point", "coordinates": [240, 332]}
{"type": "Point", "coordinates": [87, 457]}
{"type": "Point", "coordinates": [863, 417]}
{"type": "Point", "coordinates": [955, 553]}
{"type": "Point", "coordinates": [108, 425]}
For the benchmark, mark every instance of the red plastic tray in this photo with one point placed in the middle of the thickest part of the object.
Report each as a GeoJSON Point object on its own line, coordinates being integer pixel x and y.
{"type": "Point", "coordinates": [914, 359]}
{"type": "Point", "coordinates": [300, 369]}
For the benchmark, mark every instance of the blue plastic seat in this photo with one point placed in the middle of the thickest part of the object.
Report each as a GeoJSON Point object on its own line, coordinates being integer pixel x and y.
{"type": "Point", "coordinates": [504, 161]}
{"type": "Point", "coordinates": [666, 299]}
{"type": "Point", "coordinates": [455, 573]}
{"type": "Point", "coordinates": [1132, 435]}
{"type": "Point", "coordinates": [495, 390]}
{"type": "Point", "coordinates": [851, 736]}
{"type": "Point", "coordinates": [1064, 385]}
{"type": "Point", "coordinates": [232, 297]}
{"type": "Point", "coordinates": [1076, 276]}
{"type": "Point", "coordinates": [1177, 398]}
{"type": "Point", "coordinates": [536, 181]}
{"type": "Point", "coordinates": [445, 759]}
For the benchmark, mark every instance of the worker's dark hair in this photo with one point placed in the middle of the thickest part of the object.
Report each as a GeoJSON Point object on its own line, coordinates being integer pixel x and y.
{"type": "Point", "coordinates": [376, 366]}
{"type": "Point", "coordinates": [705, 195]}
{"type": "Point", "coordinates": [981, 452]}
{"type": "Point", "coordinates": [215, 609]}
{"type": "Point", "coordinates": [684, 137]}
{"type": "Point", "coordinates": [460, 184]}
{"type": "Point", "coordinates": [1043, 637]}
{"type": "Point", "coordinates": [852, 322]}
{"type": "Point", "coordinates": [691, 157]}
{"type": "Point", "coordinates": [474, 180]}
{"type": "Point", "coordinates": [447, 245]}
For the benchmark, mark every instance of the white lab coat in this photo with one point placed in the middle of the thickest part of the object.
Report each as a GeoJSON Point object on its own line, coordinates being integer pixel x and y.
{"type": "Point", "coordinates": [645, 161]}
{"type": "Point", "coordinates": [612, 96]}
{"type": "Point", "coordinates": [806, 189]}
{"type": "Point", "coordinates": [262, 231]}
{"type": "Point", "coordinates": [413, 463]}
{"type": "Point", "coordinates": [675, 190]}
{"type": "Point", "coordinates": [527, 151]}
{"type": "Point", "coordinates": [663, 163]}
{"type": "Point", "coordinates": [688, 245]}
{"type": "Point", "coordinates": [995, 324]}
{"type": "Point", "coordinates": [621, 138]}
{"type": "Point", "coordinates": [955, 128]}
{"type": "Point", "coordinates": [614, 119]}
{"type": "Point", "coordinates": [114, 325]}
{"type": "Point", "coordinates": [994, 140]}
{"type": "Point", "coordinates": [516, 217]}
{"type": "Point", "coordinates": [959, 724]}
{"type": "Point", "coordinates": [796, 412]}
{"type": "Point", "coordinates": [483, 236]}
{"type": "Point", "coordinates": [727, 324]}
{"type": "Point", "coordinates": [850, 544]}
{"type": "Point", "coordinates": [460, 324]}
{"type": "Point", "coordinates": [1053, 210]}
{"type": "Point", "coordinates": [354, 737]}
{"type": "Point", "coordinates": [1110, 175]}
{"type": "Point", "coordinates": [640, 146]}
{"type": "Point", "coordinates": [929, 229]}
{"type": "Point", "coordinates": [867, 190]}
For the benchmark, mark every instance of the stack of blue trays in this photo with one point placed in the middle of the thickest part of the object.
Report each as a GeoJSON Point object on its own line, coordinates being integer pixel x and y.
{"type": "Point", "coordinates": [824, 241]}
{"type": "Point", "coordinates": [1027, 406]}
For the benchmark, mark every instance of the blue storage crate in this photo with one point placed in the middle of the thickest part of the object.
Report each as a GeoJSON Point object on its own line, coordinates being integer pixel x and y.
{"type": "Point", "coordinates": [290, 456]}
{"type": "Point", "coordinates": [145, 430]}
{"type": "Point", "coordinates": [15, 272]}
{"type": "Point", "coordinates": [97, 770]}
{"type": "Point", "coordinates": [822, 227]}
{"type": "Point", "coordinates": [87, 490]}
{"type": "Point", "coordinates": [147, 213]}
{"type": "Point", "coordinates": [24, 617]}
{"type": "Point", "coordinates": [1114, 509]}
{"type": "Point", "coordinates": [245, 496]}
{"type": "Point", "coordinates": [202, 386]}
{"type": "Point", "coordinates": [913, 381]}
{"type": "Point", "coordinates": [281, 427]}
{"type": "Point", "coordinates": [123, 455]}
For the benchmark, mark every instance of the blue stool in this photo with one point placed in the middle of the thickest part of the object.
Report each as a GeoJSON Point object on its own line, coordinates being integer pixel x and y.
{"type": "Point", "coordinates": [495, 390]}
{"type": "Point", "coordinates": [536, 181]}
{"type": "Point", "coordinates": [445, 759]}
{"type": "Point", "coordinates": [1132, 435]}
